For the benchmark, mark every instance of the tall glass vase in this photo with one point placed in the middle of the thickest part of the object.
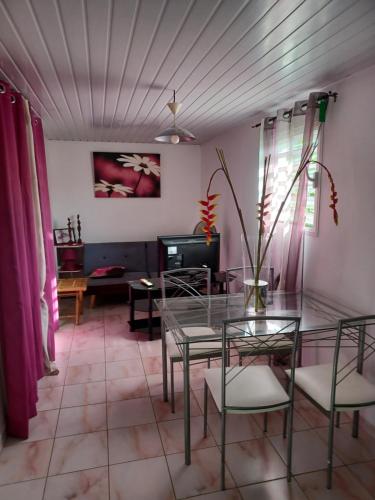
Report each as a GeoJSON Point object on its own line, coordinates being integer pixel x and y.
{"type": "Point", "coordinates": [256, 275]}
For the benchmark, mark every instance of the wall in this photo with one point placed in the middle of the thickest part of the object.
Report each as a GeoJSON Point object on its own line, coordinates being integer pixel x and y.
{"type": "Point", "coordinates": [339, 262]}
{"type": "Point", "coordinates": [241, 149]}
{"type": "Point", "coordinates": [70, 176]}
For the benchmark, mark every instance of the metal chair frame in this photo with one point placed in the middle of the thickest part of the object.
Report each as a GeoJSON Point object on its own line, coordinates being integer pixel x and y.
{"type": "Point", "coordinates": [291, 329]}
{"type": "Point", "coordinates": [186, 282]}
{"type": "Point", "coordinates": [352, 330]}
{"type": "Point", "coordinates": [268, 352]}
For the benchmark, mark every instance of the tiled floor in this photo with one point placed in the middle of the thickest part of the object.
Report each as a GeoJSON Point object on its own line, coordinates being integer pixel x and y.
{"type": "Point", "coordinates": [104, 432]}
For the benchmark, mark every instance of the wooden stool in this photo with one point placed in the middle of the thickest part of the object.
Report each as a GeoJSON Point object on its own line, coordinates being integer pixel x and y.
{"type": "Point", "coordinates": [73, 287]}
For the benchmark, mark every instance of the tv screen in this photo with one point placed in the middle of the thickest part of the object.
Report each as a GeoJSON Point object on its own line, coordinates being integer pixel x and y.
{"type": "Point", "coordinates": [189, 250]}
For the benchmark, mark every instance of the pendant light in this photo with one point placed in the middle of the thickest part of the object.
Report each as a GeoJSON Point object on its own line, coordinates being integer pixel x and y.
{"type": "Point", "coordinates": [174, 134]}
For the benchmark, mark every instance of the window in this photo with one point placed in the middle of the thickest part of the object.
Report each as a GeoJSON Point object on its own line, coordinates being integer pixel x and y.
{"type": "Point", "coordinates": [288, 147]}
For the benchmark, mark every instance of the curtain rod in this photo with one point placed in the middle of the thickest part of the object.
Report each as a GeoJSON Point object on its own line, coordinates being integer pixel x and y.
{"type": "Point", "coordinates": [333, 95]}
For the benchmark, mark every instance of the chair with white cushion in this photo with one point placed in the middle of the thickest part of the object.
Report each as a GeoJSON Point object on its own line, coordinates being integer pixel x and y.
{"type": "Point", "coordinates": [181, 283]}
{"type": "Point", "coordinates": [252, 388]}
{"type": "Point", "coordinates": [340, 385]}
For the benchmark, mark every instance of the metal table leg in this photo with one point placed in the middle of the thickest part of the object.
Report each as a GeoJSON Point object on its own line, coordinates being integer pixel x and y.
{"type": "Point", "coordinates": [164, 361]}
{"type": "Point", "coordinates": [149, 314]}
{"type": "Point", "coordinates": [186, 403]}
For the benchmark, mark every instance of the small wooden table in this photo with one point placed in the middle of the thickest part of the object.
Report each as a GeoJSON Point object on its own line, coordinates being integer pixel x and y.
{"type": "Point", "coordinates": [73, 287]}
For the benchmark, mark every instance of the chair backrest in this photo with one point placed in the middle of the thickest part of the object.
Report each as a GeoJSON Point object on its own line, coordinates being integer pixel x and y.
{"type": "Point", "coordinates": [260, 334]}
{"type": "Point", "coordinates": [235, 276]}
{"type": "Point", "coordinates": [187, 281]}
{"type": "Point", "coordinates": [355, 343]}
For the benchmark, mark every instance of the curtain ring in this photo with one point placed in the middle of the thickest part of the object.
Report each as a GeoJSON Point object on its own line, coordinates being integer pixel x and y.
{"type": "Point", "coordinates": [2, 89]}
{"type": "Point", "coordinates": [12, 99]}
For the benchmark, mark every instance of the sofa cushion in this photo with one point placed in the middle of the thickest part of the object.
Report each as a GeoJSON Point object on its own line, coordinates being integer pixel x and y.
{"type": "Point", "coordinates": [108, 272]}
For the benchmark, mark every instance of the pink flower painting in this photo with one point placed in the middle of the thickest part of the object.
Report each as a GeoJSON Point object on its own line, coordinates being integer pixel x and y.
{"type": "Point", "coordinates": [126, 175]}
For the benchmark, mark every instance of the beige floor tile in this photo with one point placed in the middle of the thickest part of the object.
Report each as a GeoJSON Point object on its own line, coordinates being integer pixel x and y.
{"type": "Point", "coordinates": [254, 461]}
{"type": "Point", "coordinates": [49, 398]}
{"type": "Point", "coordinates": [350, 449]}
{"type": "Point", "coordinates": [275, 422]}
{"type": "Point", "coordinates": [82, 419]}
{"type": "Point", "coordinates": [124, 369]}
{"type": "Point", "coordinates": [43, 425]}
{"type": "Point", "coordinates": [238, 428]}
{"type": "Point", "coordinates": [134, 443]}
{"type": "Point", "coordinates": [220, 495]}
{"type": "Point", "coordinates": [86, 357]}
{"type": "Point", "coordinates": [309, 451]}
{"type": "Point", "coordinates": [130, 412]}
{"type": "Point", "coordinates": [345, 486]}
{"type": "Point", "coordinates": [85, 373]}
{"type": "Point", "coordinates": [202, 476]}
{"type": "Point", "coordinates": [172, 435]}
{"type": "Point", "coordinates": [21, 462]}
{"type": "Point", "coordinates": [365, 473]}
{"type": "Point", "coordinates": [80, 452]}
{"type": "Point", "coordinates": [30, 490]}
{"type": "Point", "coordinates": [141, 480]}
{"type": "Point", "coordinates": [127, 388]}
{"type": "Point", "coordinates": [113, 354]}
{"type": "Point", "coordinates": [89, 341]}
{"type": "Point", "coordinates": [163, 410]}
{"type": "Point", "coordinates": [279, 489]}
{"type": "Point", "coordinates": [84, 394]}
{"type": "Point", "coordinates": [91, 484]}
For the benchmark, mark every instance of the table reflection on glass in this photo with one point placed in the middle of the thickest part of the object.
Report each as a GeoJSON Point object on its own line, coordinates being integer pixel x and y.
{"type": "Point", "coordinates": [317, 314]}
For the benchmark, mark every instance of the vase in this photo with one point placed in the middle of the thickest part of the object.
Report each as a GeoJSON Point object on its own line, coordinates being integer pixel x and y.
{"type": "Point", "coordinates": [256, 274]}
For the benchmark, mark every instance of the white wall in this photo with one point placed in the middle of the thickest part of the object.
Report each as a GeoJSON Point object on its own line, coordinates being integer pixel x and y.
{"type": "Point", "coordinates": [241, 150]}
{"type": "Point", "coordinates": [340, 261]}
{"type": "Point", "coordinates": [70, 178]}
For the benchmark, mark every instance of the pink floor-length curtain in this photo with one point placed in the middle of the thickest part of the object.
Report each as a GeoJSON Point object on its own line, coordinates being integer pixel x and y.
{"type": "Point", "coordinates": [20, 321]}
{"type": "Point", "coordinates": [50, 287]}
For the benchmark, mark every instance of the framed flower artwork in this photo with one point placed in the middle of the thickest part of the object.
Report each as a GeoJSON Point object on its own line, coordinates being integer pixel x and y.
{"type": "Point", "coordinates": [126, 175]}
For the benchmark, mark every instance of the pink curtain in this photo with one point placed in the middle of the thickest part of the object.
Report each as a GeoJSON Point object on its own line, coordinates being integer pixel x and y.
{"type": "Point", "coordinates": [286, 138]}
{"type": "Point", "coordinates": [50, 290]}
{"type": "Point", "coordinates": [20, 316]}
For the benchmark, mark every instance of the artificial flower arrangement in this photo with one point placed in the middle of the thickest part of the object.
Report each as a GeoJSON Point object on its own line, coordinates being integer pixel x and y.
{"type": "Point", "coordinates": [208, 215]}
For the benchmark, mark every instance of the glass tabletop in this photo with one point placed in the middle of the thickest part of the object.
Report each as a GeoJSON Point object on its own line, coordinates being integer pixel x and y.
{"type": "Point", "coordinates": [179, 313]}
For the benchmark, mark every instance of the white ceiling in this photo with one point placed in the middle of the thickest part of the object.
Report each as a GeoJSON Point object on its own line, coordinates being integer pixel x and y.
{"type": "Point", "coordinates": [100, 69]}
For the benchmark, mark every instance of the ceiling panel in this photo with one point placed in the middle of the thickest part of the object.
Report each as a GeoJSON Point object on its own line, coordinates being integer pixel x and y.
{"type": "Point", "coordinates": [105, 69]}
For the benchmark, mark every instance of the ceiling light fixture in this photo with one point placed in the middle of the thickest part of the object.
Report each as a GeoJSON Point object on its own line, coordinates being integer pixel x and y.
{"type": "Point", "coordinates": [174, 135]}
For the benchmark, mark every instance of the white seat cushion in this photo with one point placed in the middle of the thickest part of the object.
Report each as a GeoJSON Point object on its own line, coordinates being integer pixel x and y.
{"type": "Point", "coordinates": [253, 389]}
{"type": "Point", "coordinates": [353, 392]}
{"type": "Point", "coordinates": [195, 348]}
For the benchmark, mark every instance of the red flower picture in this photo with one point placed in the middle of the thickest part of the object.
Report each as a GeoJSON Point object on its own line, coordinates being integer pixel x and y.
{"type": "Point", "coordinates": [126, 175]}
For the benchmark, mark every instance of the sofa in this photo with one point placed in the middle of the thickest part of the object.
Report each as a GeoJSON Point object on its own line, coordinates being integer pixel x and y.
{"type": "Point", "coordinates": [140, 259]}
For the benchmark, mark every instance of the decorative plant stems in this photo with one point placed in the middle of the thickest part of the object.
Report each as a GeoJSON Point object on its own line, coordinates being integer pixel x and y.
{"type": "Point", "coordinates": [208, 216]}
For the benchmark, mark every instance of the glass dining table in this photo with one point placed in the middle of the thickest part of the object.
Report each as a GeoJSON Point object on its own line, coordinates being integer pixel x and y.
{"type": "Point", "coordinates": [317, 314]}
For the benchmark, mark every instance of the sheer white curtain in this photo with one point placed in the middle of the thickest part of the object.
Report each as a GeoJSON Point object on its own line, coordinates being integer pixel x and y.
{"type": "Point", "coordinates": [287, 138]}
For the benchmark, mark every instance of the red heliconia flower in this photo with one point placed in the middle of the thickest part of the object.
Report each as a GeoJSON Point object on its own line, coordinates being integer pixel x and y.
{"type": "Point", "coordinates": [208, 216]}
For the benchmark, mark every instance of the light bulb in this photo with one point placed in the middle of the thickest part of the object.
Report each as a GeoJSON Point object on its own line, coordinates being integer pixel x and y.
{"type": "Point", "coordinates": [175, 139]}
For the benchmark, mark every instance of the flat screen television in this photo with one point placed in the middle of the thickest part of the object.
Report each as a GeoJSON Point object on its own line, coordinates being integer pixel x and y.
{"type": "Point", "coordinates": [189, 250]}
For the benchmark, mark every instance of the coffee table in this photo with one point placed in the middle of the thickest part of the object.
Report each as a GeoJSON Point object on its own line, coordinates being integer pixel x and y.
{"type": "Point", "coordinates": [141, 299]}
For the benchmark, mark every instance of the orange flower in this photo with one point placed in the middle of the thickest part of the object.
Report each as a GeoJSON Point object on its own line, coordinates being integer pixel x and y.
{"type": "Point", "coordinates": [208, 216]}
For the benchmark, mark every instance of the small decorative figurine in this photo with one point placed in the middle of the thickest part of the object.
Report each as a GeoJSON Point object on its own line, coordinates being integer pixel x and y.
{"type": "Point", "coordinates": [70, 231]}
{"type": "Point", "coordinates": [79, 241]}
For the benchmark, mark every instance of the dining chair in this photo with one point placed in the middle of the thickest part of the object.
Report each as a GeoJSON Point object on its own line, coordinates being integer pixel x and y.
{"type": "Point", "coordinates": [252, 388]}
{"type": "Point", "coordinates": [181, 283]}
{"type": "Point", "coordinates": [283, 347]}
{"type": "Point", "coordinates": [340, 385]}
